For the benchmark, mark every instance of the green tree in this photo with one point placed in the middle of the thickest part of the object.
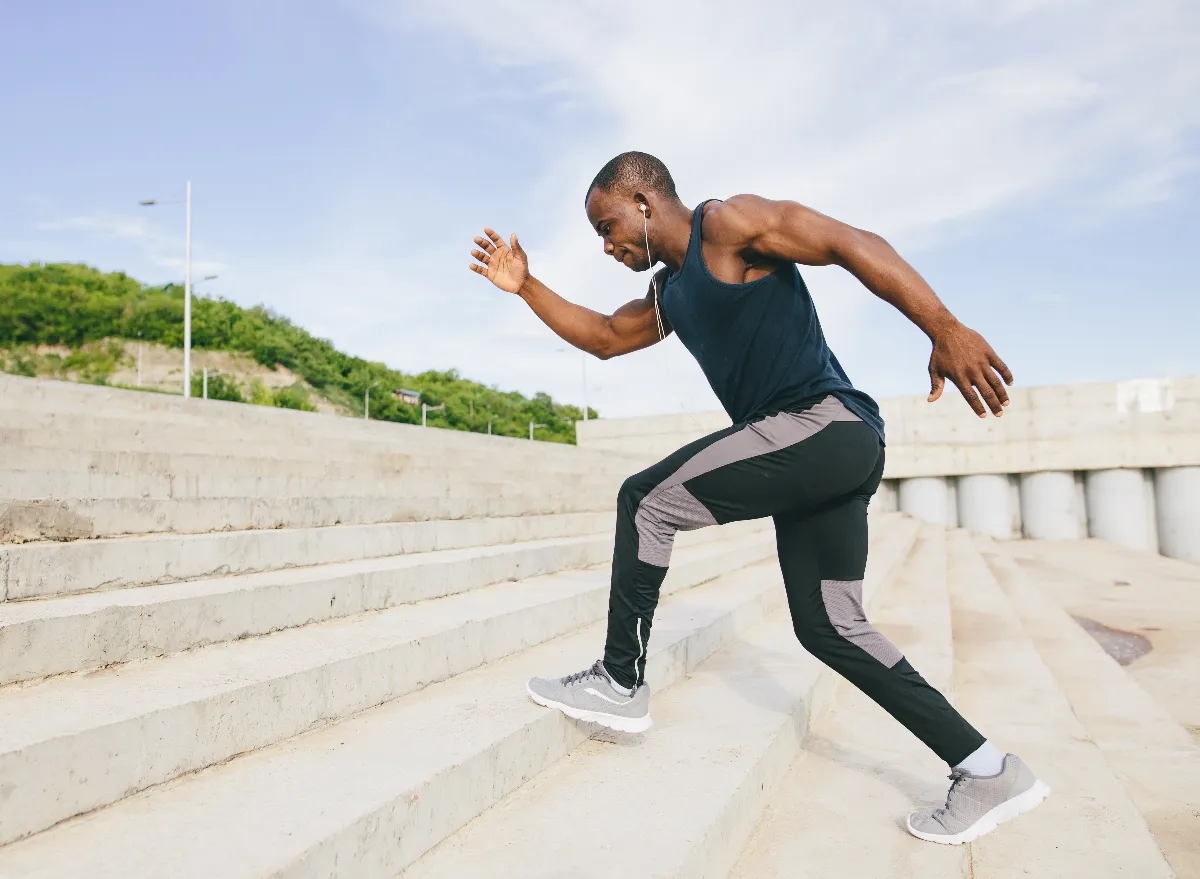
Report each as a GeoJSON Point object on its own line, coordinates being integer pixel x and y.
{"type": "Point", "coordinates": [293, 397]}
{"type": "Point", "coordinates": [74, 305]}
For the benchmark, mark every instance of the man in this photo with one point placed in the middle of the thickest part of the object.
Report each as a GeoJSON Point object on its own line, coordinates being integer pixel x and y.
{"type": "Point", "coordinates": [805, 448]}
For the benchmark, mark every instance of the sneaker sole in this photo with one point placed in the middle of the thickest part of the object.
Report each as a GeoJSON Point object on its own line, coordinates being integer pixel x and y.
{"type": "Point", "coordinates": [611, 721]}
{"type": "Point", "coordinates": [1002, 814]}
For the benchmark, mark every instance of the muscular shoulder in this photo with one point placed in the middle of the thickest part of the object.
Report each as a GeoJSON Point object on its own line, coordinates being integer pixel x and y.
{"type": "Point", "coordinates": [739, 220]}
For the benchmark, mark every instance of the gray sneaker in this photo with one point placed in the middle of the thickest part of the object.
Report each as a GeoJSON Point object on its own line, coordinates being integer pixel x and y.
{"type": "Point", "coordinates": [979, 804]}
{"type": "Point", "coordinates": [589, 695]}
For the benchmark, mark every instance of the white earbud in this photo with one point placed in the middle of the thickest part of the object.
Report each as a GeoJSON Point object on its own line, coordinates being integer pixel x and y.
{"type": "Point", "coordinates": [642, 208]}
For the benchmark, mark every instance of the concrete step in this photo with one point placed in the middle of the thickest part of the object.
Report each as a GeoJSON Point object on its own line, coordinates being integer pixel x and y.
{"type": "Point", "coordinates": [1089, 826]}
{"type": "Point", "coordinates": [22, 398]}
{"type": "Point", "coordinates": [36, 570]}
{"type": "Point", "coordinates": [837, 810]}
{"type": "Point", "coordinates": [678, 801]}
{"type": "Point", "coordinates": [79, 518]}
{"type": "Point", "coordinates": [224, 451]}
{"type": "Point", "coordinates": [312, 437]}
{"type": "Point", "coordinates": [423, 480]}
{"type": "Point", "coordinates": [74, 743]}
{"type": "Point", "coordinates": [368, 795]}
{"type": "Point", "coordinates": [1140, 592]}
{"type": "Point", "coordinates": [215, 442]}
{"type": "Point", "coordinates": [253, 462]}
{"type": "Point", "coordinates": [1153, 755]}
{"type": "Point", "coordinates": [37, 396]}
{"type": "Point", "coordinates": [74, 633]}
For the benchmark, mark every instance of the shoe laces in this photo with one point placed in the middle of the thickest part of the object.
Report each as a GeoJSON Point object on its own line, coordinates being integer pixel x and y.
{"type": "Point", "coordinates": [594, 671]}
{"type": "Point", "coordinates": [956, 777]}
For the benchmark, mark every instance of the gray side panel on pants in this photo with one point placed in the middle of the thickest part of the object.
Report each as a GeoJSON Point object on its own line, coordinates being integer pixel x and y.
{"type": "Point", "coordinates": [843, 603]}
{"type": "Point", "coordinates": [670, 507]}
{"type": "Point", "coordinates": [673, 509]}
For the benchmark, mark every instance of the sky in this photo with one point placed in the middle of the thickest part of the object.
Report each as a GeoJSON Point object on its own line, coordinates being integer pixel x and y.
{"type": "Point", "coordinates": [1035, 160]}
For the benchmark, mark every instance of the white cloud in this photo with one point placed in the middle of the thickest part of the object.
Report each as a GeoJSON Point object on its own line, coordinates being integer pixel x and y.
{"type": "Point", "coordinates": [160, 248]}
{"type": "Point", "coordinates": [129, 228]}
{"type": "Point", "coordinates": [914, 118]}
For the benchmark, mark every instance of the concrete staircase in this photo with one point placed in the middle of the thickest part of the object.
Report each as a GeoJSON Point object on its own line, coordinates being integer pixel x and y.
{"type": "Point", "coordinates": [298, 696]}
{"type": "Point", "coordinates": [86, 462]}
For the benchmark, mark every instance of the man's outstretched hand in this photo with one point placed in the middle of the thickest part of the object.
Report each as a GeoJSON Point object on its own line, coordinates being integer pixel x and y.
{"type": "Point", "coordinates": [963, 356]}
{"type": "Point", "coordinates": [505, 265]}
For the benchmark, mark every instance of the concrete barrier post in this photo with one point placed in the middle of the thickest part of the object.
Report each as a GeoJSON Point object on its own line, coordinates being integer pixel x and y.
{"type": "Point", "coordinates": [1177, 499]}
{"type": "Point", "coordinates": [1120, 507]}
{"type": "Point", "coordinates": [1050, 506]}
{"type": "Point", "coordinates": [927, 498]}
{"type": "Point", "coordinates": [985, 504]}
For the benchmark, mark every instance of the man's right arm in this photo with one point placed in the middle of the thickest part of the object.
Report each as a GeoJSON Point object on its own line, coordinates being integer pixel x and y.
{"type": "Point", "coordinates": [631, 327]}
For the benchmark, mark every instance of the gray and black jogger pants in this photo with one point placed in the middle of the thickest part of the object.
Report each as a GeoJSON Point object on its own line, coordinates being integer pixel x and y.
{"type": "Point", "coordinates": [814, 473]}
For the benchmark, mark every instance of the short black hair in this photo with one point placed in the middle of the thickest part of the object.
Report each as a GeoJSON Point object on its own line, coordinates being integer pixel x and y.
{"type": "Point", "coordinates": [634, 170]}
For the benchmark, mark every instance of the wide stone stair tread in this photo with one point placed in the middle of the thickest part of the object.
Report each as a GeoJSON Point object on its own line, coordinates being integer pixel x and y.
{"type": "Point", "coordinates": [1153, 755]}
{"type": "Point", "coordinates": [1089, 825]}
{"type": "Point", "coordinates": [44, 568]}
{"type": "Point", "coordinates": [680, 799]}
{"type": "Point", "coordinates": [56, 635]}
{"type": "Point", "coordinates": [76, 742]}
{"type": "Point", "coordinates": [376, 790]}
{"type": "Point", "coordinates": [839, 809]}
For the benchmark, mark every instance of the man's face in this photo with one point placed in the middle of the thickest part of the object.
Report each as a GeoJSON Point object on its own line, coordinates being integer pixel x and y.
{"type": "Point", "coordinates": [618, 222]}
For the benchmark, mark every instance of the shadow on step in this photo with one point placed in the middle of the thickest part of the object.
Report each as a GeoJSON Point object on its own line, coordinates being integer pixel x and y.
{"type": "Point", "coordinates": [920, 790]}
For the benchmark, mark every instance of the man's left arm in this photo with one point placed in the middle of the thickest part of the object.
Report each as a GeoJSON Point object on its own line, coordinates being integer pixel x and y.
{"type": "Point", "coordinates": [791, 232]}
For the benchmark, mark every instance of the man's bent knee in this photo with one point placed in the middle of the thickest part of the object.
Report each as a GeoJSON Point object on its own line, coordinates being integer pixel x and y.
{"type": "Point", "coordinates": [662, 513]}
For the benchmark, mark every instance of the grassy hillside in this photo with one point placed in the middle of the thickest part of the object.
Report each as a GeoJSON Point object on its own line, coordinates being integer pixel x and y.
{"type": "Point", "coordinates": [75, 322]}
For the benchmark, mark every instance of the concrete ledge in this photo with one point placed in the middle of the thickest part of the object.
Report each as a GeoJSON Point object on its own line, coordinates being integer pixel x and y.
{"type": "Point", "coordinates": [1028, 456]}
{"type": "Point", "coordinates": [1095, 426]}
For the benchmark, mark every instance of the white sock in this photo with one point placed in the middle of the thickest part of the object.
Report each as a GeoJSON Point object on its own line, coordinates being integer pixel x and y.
{"type": "Point", "coordinates": [984, 761]}
{"type": "Point", "coordinates": [624, 691]}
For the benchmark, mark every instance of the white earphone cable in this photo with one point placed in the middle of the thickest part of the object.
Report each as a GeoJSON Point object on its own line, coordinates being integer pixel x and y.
{"type": "Point", "coordinates": [653, 280]}
{"type": "Point", "coordinates": [658, 317]}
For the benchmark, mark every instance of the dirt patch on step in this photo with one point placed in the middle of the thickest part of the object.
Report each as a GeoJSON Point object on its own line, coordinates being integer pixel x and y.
{"type": "Point", "coordinates": [1122, 646]}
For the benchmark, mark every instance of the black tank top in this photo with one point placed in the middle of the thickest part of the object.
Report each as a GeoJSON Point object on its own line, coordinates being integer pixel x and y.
{"type": "Point", "coordinates": [759, 344]}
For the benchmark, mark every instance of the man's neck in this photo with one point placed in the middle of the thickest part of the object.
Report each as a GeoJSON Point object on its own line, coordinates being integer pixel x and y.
{"type": "Point", "coordinates": [669, 238]}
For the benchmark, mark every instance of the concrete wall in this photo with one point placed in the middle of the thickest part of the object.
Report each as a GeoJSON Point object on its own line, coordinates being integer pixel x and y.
{"type": "Point", "coordinates": [1115, 460]}
{"type": "Point", "coordinates": [654, 436]}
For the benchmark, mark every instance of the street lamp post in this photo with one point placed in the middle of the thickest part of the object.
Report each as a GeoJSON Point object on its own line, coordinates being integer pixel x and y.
{"type": "Point", "coordinates": [187, 294]}
{"type": "Point", "coordinates": [204, 384]}
{"type": "Point", "coordinates": [367, 401]}
{"type": "Point", "coordinates": [187, 284]}
{"type": "Point", "coordinates": [532, 425]}
{"type": "Point", "coordinates": [426, 408]}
